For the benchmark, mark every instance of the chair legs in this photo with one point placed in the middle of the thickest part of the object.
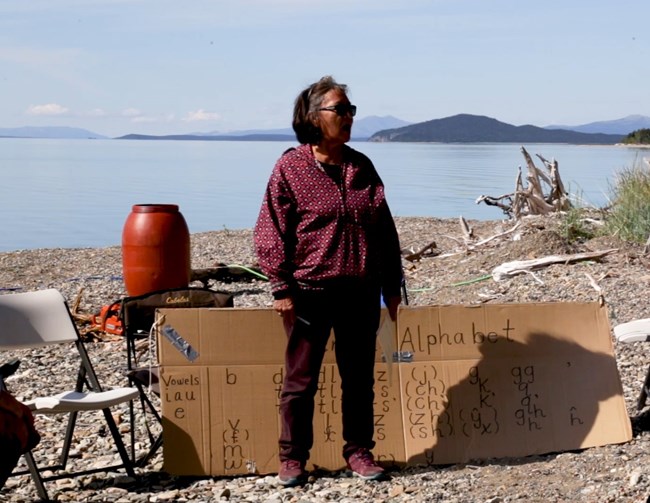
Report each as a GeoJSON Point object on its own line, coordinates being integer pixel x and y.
{"type": "Point", "coordinates": [72, 421]}
{"type": "Point", "coordinates": [127, 463]}
{"type": "Point", "coordinates": [35, 471]}
{"type": "Point", "coordinates": [155, 442]}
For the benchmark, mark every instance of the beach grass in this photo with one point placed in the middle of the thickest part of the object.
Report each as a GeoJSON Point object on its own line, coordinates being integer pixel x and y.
{"type": "Point", "coordinates": [629, 214]}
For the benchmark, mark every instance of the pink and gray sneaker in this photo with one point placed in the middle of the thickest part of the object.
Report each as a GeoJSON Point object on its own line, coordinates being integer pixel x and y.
{"type": "Point", "coordinates": [363, 465]}
{"type": "Point", "coordinates": [292, 473]}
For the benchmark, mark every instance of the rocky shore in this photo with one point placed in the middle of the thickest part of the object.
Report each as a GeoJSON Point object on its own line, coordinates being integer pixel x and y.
{"type": "Point", "coordinates": [452, 267]}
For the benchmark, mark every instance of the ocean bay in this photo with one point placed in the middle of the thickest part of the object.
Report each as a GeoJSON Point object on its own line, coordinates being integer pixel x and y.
{"type": "Point", "coordinates": [78, 193]}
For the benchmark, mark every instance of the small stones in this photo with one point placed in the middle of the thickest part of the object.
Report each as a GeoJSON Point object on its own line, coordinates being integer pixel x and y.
{"type": "Point", "coordinates": [635, 477]}
{"type": "Point", "coordinates": [609, 473]}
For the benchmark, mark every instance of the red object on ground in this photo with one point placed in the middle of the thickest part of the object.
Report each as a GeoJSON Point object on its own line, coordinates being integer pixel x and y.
{"type": "Point", "coordinates": [108, 319]}
{"type": "Point", "coordinates": [155, 249]}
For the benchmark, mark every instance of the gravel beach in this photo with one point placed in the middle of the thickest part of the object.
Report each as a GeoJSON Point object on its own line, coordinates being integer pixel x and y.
{"type": "Point", "coordinates": [453, 268]}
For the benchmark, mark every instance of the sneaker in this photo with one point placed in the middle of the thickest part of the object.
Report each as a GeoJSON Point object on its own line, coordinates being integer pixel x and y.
{"type": "Point", "coordinates": [292, 473]}
{"type": "Point", "coordinates": [363, 465]}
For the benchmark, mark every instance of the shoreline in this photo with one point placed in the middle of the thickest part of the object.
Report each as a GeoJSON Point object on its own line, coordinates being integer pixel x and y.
{"type": "Point", "coordinates": [226, 230]}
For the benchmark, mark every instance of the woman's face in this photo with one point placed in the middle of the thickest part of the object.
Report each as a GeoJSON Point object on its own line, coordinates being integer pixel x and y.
{"type": "Point", "coordinates": [336, 128]}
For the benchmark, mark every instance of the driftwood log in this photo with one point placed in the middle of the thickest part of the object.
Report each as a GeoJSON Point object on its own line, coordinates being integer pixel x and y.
{"type": "Point", "coordinates": [543, 194]}
{"type": "Point", "coordinates": [509, 269]}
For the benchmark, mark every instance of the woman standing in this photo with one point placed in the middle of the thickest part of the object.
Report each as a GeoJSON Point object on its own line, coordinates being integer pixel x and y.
{"type": "Point", "coordinates": [326, 239]}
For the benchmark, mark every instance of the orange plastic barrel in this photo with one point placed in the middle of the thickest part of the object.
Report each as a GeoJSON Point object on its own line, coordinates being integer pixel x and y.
{"type": "Point", "coordinates": [155, 249]}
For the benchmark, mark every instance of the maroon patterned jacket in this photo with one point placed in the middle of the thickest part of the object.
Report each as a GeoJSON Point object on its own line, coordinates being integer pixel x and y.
{"type": "Point", "coordinates": [320, 223]}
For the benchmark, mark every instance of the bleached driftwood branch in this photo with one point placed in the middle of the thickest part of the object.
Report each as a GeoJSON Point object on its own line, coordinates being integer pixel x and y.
{"type": "Point", "coordinates": [413, 256]}
{"type": "Point", "coordinates": [467, 231]}
{"type": "Point", "coordinates": [509, 269]}
{"type": "Point", "coordinates": [501, 234]}
{"type": "Point", "coordinates": [474, 246]}
{"type": "Point", "coordinates": [531, 199]}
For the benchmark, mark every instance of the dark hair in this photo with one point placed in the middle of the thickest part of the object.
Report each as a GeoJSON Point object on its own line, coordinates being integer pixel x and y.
{"type": "Point", "coordinates": [307, 104]}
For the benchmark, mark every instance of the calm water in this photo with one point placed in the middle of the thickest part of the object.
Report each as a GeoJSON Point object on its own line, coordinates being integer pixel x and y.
{"type": "Point", "coordinates": [78, 193]}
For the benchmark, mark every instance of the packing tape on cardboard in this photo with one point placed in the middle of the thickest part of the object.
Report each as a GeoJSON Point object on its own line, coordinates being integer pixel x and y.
{"type": "Point", "coordinates": [179, 343]}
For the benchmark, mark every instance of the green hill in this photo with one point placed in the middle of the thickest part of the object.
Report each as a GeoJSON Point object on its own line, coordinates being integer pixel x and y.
{"type": "Point", "coordinates": [639, 137]}
{"type": "Point", "coordinates": [466, 128]}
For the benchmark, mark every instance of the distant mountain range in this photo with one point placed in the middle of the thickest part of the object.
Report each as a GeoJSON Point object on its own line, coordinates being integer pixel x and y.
{"type": "Point", "coordinates": [50, 132]}
{"type": "Point", "coordinates": [466, 128]}
{"type": "Point", "coordinates": [363, 128]}
{"type": "Point", "coordinates": [457, 128]}
{"type": "Point", "coordinates": [622, 126]}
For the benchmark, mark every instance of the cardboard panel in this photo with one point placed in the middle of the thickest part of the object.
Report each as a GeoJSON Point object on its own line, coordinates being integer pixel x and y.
{"type": "Point", "coordinates": [508, 380]}
{"type": "Point", "coordinates": [481, 382]}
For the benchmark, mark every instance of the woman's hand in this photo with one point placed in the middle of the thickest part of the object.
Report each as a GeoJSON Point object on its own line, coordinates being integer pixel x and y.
{"type": "Point", "coordinates": [284, 307]}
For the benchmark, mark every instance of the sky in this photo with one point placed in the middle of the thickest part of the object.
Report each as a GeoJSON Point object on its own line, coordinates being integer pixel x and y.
{"type": "Point", "coordinates": [180, 66]}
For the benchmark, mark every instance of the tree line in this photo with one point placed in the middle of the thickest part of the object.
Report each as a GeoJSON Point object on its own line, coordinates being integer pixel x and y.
{"type": "Point", "coordinates": [638, 137]}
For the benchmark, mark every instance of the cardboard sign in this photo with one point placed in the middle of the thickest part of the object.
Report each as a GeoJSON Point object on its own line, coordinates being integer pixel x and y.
{"type": "Point", "coordinates": [480, 382]}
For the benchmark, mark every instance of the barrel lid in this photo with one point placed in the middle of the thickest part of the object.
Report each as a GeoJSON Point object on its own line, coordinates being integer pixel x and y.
{"type": "Point", "coordinates": [155, 208]}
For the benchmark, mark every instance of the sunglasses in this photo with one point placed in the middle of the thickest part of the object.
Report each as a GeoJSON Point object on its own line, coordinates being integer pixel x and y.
{"type": "Point", "coordinates": [342, 109]}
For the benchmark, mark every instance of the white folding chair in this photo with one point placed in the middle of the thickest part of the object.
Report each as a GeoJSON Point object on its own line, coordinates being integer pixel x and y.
{"type": "Point", "coordinates": [42, 318]}
{"type": "Point", "coordinates": [636, 331]}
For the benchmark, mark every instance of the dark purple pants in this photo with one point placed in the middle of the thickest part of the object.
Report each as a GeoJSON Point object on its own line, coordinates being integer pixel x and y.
{"type": "Point", "coordinates": [352, 310]}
